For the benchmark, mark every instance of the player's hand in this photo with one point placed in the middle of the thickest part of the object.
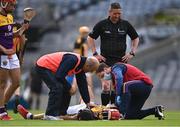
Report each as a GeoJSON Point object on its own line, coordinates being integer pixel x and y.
{"type": "Point", "coordinates": [8, 51]}
{"type": "Point", "coordinates": [25, 26]}
{"type": "Point", "coordinates": [88, 105]}
{"type": "Point", "coordinates": [127, 58]}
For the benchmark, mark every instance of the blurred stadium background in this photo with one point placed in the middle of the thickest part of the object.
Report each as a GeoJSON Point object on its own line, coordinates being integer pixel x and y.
{"type": "Point", "coordinates": [55, 28]}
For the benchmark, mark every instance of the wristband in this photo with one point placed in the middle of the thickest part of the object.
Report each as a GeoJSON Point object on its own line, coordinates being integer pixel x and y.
{"type": "Point", "coordinates": [26, 21]}
{"type": "Point", "coordinates": [95, 53]}
{"type": "Point", "coordinates": [132, 53]}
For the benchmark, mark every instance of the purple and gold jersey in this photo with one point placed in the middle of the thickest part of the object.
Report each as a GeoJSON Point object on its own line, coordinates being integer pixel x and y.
{"type": "Point", "coordinates": [6, 31]}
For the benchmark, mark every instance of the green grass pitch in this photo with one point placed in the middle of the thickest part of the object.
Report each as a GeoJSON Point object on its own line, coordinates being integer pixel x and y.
{"type": "Point", "coordinates": [172, 119]}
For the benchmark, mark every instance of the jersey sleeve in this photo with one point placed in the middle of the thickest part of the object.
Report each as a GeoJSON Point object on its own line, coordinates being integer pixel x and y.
{"type": "Point", "coordinates": [131, 31]}
{"type": "Point", "coordinates": [83, 86]}
{"type": "Point", "coordinates": [118, 76]}
{"type": "Point", "coordinates": [68, 63]}
{"type": "Point", "coordinates": [96, 31]}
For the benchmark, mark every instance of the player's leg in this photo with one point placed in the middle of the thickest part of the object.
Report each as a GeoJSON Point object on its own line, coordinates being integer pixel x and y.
{"type": "Point", "coordinates": [139, 94]}
{"type": "Point", "coordinates": [15, 79]}
{"type": "Point", "coordinates": [56, 91]}
{"type": "Point", "coordinates": [16, 99]}
{"type": "Point", "coordinates": [136, 92]}
{"type": "Point", "coordinates": [3, 81]}
{"type": "Point", "coordinates": [113, 96]}
{"type": "Point", "coordinates": [15, 75]}
{"type": "Point", "coordinates": [105, 95]}
{"type": "Point", "coordinates": [37, 100]}
{"type": "Point", "coordinates": [28, 115]}
{"type": "Point", "coordinates": [4, 67]}
{"type": "Point", "coordinates": [66, 101]}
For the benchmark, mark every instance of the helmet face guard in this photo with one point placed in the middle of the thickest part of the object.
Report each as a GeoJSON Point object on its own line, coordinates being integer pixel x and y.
{"type": "Point", "coordinates": [4, 3]}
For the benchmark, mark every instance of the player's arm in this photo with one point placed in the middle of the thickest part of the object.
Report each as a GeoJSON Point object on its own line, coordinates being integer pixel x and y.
{"type": "Point", "coordinates": [134, 37]}
{"type": "Point", "coordinates": [22, 48]}
{"type": "Point", "coordinates": [134, 45]}
{"type": "Point", "coordinates": [7, 51]}
{"type": "Point", "coordinates": [76, 48]}
{"type": "Point", "coordinates": [118, 76]}
{"type": "Point", "coordinates": [83, 87]}
{"type": "Point", "coordinates": [85, 46]}
{"type": "Point", "coordinates": [69, 117]}
{"type": "Point", "coordinates": [91, 44]}
{"type": "Point", "coordinates": [20, 31]}
{"type": "Point", "coordinates": [121, 98]}
{"type": "Point", "coordinates": [68, 62]}
{"type": "Point", "coordinates": [93, 36]}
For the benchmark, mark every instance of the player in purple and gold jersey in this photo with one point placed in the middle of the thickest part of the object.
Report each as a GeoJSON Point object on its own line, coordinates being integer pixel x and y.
{"type": "Point", "coordinates": [9, 62]}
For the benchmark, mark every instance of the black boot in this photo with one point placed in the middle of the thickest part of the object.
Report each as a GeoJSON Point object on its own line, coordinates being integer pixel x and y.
{"type": "Point", "coordinates": [105, 97]}
{"type": "Point", "coordinates": [16, 103]}
{"type": "Point", "coordinates": [159, 112]}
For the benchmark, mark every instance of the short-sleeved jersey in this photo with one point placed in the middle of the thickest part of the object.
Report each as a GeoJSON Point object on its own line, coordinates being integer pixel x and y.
{"type": "Point", "coordinates": [17, 41]}
{"type": "Point", "coordinates": [6, 31]}
{"type": "Point", "coordinates": [113, 38]}
{"type": "Point", "coordinates": [79, 45]}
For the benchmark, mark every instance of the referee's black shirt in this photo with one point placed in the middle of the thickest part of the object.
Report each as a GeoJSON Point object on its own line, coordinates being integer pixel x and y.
{"type": "Point", "coordinates": [113, 38]}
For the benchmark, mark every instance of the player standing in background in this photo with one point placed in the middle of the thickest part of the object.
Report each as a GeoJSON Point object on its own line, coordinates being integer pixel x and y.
{"type": "Point", "coordinates": [10, 66]}
{"type": "Point", "coordinates": [81, 47]}
{"type": "Point", "coordinates": [113, 32]}
{"type": "Point", "coordinates": [18, 47]}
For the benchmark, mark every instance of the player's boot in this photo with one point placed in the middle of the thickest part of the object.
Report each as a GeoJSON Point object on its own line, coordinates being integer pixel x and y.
{"type": "Point", "coordinates": [159, 112]}
{"type": "Point", "coordinates": [5, 117]}
{"type": "Point", "coordinates": [24, 112]}
{"type": "Point", "coordinates": [3, 114]}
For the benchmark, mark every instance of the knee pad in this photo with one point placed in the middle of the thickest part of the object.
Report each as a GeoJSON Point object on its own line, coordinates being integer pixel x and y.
{"type": "Point", "coordinates": [105, 97]}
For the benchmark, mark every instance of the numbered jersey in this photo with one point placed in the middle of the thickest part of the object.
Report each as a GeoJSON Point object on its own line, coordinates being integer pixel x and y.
{"type": "Point", "coordinates": [106, 113]}
{"type": "Point", "coordinates": [6, 31]}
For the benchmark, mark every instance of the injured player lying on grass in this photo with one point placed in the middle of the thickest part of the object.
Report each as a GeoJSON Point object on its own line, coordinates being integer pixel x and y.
{"type": "Point", "coordinates": [77, 112]}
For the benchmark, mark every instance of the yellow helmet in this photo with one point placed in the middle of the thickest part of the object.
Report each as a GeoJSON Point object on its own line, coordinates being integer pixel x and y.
{"type": "Point", "coordinates": [84, 29]}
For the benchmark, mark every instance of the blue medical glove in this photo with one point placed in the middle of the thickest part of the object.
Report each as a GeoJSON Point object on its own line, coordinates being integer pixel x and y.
{"type": "Point", "coordinates": [118, 101]}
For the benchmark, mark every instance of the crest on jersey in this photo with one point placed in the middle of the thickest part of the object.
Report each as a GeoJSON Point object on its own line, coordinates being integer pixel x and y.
{"type": "Point", "coordinates": [4, 62]}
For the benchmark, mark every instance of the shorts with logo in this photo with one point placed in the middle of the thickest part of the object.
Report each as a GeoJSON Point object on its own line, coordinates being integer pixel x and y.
{"type": "Point", "coordinates": [9, 62]}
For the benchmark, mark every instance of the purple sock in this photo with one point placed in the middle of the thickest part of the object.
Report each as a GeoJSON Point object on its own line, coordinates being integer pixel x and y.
{"type": "Point", "coordinates": [2, 109]}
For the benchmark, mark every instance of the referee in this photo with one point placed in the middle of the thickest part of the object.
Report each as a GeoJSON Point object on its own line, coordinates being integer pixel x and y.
{"type": "Point", "coordinates": [113, 31]}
